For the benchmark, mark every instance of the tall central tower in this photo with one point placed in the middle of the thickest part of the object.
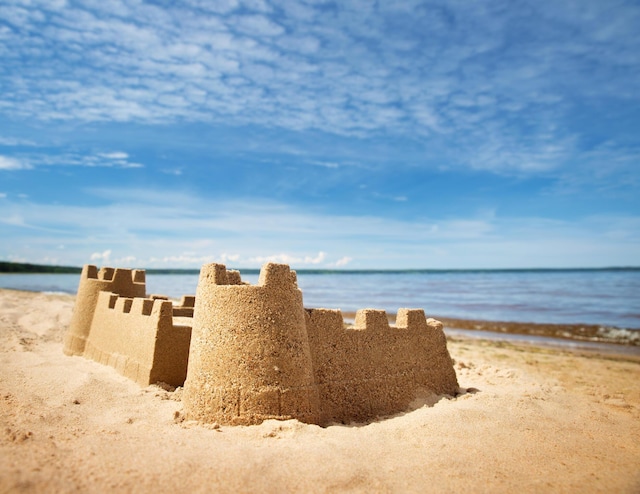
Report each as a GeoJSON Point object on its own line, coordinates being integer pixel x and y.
{"type": "Point", "coordinates": [250, 354]}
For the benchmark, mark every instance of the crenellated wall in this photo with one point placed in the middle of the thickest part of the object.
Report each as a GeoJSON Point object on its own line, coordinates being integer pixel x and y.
{"type": "Point", "coordinates": [138, 338]}
{"type": "Point", "coordinates": [374, 369]}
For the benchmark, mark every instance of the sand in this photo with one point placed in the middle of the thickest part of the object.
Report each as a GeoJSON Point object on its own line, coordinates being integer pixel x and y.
{"type": "Point", "coordinates": [533, 419]}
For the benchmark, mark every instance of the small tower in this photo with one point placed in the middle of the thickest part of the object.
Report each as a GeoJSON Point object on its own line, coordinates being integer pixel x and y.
{"type": "Point", "coordinates": [123, 282]}
{"type": "Point", "coordinates": [250, 358]}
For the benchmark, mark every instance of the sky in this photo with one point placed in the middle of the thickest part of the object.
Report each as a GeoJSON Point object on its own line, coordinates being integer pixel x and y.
{"type": "Point", "coordinates": [322, 134]}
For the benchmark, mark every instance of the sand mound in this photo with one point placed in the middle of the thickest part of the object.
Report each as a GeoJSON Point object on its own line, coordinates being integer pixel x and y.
{"type": "Point", "coordinates": [532, 420]}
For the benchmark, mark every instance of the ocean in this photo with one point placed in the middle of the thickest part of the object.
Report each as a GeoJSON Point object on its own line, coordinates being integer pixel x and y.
{"type": "Point", "coordinates": [607, 297]}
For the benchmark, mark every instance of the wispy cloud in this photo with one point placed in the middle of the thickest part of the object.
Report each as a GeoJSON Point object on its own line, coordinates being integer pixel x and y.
{"type": "Point", "coordinates": [326, 164]}
{"type": "Point", "coordinates": [171, 229]}
{"type": "Point", "coordinates": [115, 155]}
{"type": "Point", "coordinates": [456, 73]}
{"type": "Point", "coordinates": [288, 259]}
{"type": "Point", "coordinates": [116, 159]}
{"type": "Point", "coordinates": [8, 163]}
{"type": "Point", "coordinates": [343, 261]}
{"type": "Point", "coordinates": [15, 141]}
{"type": "Point", "coordinates": [609, 168]}
{"type": "Point", "coordinates": [104, 256]}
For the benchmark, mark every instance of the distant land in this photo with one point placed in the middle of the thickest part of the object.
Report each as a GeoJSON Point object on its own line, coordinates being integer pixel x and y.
{"type": "Point", "coordinates": [19, 267]}
{"type": "Point", "coordinates": [27, 268]}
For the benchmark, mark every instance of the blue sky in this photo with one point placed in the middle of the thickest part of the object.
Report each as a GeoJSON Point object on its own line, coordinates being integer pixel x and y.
{"type": "Point", "coordinates": [351, 134]}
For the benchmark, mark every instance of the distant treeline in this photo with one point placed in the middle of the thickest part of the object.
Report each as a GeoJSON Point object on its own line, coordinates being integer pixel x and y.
{"type": "Point", "coordinates": [20, 267]}
{"type": "Point", "coordinates": [172, 271]}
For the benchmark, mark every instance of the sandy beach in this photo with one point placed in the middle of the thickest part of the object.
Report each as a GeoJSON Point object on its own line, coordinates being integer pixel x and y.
{"type": "Point", "coordinates": [528, 419]}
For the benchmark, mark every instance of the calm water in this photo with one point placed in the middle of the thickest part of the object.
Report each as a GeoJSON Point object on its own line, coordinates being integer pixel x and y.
{"type": "Point", "coordinates": [610, 298]}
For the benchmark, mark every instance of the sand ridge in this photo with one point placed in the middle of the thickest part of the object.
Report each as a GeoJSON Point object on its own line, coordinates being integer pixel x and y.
{"type": "Point", "coordinates": [541, 420]}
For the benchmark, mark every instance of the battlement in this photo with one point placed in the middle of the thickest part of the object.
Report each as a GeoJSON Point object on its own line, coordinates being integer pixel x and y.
{"type": "Point", "coordinates": [137, 336]}
{"type": "Point", "coordinates": [185, 307]}
{"type": "Point", "coordinates": [255, 352]}
{"type": "Point", "coordinates": [373, 368]}
{"type": "Point", "coordinates": [187, 301]}
{"type": "Point", "coordinates": [371, 320]}
{"type": "Point", "coordinates": [138, 306]}
{"type": "Point", "coordinates": [218, 274]}
{"type": "Point", "coordinates": [278, 275]}
{"type": "Point", "coordinates": [331, 320]}
{"type": "Point", "coordinates": [114, 275]}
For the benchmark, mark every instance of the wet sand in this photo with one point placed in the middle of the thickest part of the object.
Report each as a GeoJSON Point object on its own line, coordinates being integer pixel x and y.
{"type": "Point", "coordinates": [528, 419]}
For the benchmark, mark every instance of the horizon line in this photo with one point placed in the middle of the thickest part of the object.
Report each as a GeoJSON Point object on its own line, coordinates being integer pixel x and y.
{"type": "Point", "coordinates": [32, 268]}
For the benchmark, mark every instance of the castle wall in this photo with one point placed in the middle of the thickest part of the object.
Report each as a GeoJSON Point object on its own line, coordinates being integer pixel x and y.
{"type": "Point", "coordinates": [185, 307]}
{"type": "Point", "coordinates": [124, 282]}
{"type": "Point", "coordinates": [250, 357]}
{"type": "Point", "coordinates": [137, 337]}
{"type": "Point", "coordinates": [373, 369]}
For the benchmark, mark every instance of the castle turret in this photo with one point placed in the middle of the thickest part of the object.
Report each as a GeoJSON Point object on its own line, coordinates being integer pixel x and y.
{"type": "Point", "coordinates": [123, 282]}
{"type": "Point", "coordinates": [250, 358]}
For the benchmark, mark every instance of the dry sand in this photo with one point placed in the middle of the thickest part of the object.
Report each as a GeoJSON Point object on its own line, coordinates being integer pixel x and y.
{"type": "Point", "coordinates": [542, 420]}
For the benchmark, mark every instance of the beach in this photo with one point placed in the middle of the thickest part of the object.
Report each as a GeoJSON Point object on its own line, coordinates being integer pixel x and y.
{"type": "Point", "coordinates": [528, 418]}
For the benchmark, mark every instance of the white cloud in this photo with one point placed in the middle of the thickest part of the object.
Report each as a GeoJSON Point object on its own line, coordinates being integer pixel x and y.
{"type": "Point", "coordinates": [8, 163]}
{"type": "Point", "coordinates": [289, 259]}
{"type": "Point", "coordinates": [183, 259]}
{"type": "Point", "coordinates": [224, 258]}
{"type": "Point", "coordinates": [122, 261]}
{"type": "Point", "coordinates": [115, 155]}
{"type": "Point", "coordinates": [219, 6]}
{"type": "Point", "coordinates": [3, 195]}
{"type": "Point", "coordinates": [101, 256]}
{"type": "Point", "coordinates": [117, 159]}
{"type": "Point", "coordinates": [257, 25]}
{"type": "Point", "coordinates": [343, 261]}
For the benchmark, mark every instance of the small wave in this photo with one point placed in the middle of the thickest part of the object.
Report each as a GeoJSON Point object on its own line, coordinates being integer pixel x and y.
{"type": "Point", "coordinates": [620, 334]}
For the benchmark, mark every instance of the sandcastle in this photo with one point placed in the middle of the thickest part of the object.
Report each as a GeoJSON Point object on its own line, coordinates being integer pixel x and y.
{"type": "Point", "coordinates": [245, 353]}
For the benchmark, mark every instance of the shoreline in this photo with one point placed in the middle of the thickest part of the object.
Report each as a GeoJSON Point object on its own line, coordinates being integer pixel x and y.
{"type": "Point", "coordinates": [587, 333]}
{"type": "Point", "coordinates": [529, 343]}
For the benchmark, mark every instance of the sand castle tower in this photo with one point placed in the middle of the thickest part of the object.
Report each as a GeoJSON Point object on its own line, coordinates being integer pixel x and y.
{"type": "Point", "coordinates": [123, 282]}
{"type": "Point", "coordinates": [250, 358]}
